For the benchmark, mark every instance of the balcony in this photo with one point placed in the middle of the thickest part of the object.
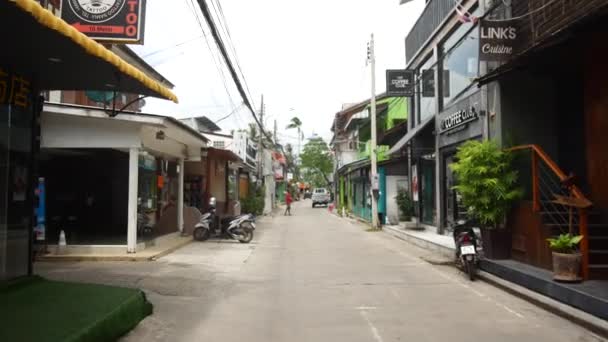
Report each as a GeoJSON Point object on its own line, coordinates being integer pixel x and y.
{"type": "Point", "coordinates": [430, 19]}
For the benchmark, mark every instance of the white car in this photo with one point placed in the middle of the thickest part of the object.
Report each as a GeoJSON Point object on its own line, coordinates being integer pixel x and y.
{"type": "Point", "coordinates": [320, 196]}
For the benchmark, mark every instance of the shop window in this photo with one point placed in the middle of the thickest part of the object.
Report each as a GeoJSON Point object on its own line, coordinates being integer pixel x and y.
{"type": "Point", "coordinates": [460, 61]}
{"type": "Point", "coordinates": [427, 105]}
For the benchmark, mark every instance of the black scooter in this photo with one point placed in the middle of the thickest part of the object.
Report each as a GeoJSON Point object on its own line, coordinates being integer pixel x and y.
{"type": "Point", "coordinates": [238, 228]}
{"type": "Point", "coordinates": [466, 247]}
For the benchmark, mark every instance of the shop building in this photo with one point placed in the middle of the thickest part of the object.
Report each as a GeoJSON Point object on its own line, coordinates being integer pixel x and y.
{"type": "Point", "coordinates": [351, 145]}
{"type": "Point", "coordinates": [54, 57]}
{"type": "Point", "coordinates": [100, 172]}
{"type": "Point", "coordinates": [538, 91]}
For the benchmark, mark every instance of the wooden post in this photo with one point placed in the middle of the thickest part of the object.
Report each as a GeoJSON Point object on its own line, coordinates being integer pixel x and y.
{"type": "Point", "coordinates": [535, 185]}
{"type": "Point", "coordinates": [583, 230]}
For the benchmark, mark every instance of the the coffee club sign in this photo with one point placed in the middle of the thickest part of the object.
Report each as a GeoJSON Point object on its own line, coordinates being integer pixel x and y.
{"type": "Point", "coordinates": [107, 20]}
{"type": "Point", "coordinates": [400, 83]}
{"type": "Point", "coordinates": [458, 116]}
{"type": "Point", "coordinates": [498, 40]}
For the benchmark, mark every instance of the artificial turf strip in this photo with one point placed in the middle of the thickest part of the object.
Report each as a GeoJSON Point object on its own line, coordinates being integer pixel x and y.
{"type": "Point", "coordinates": [36, 309]}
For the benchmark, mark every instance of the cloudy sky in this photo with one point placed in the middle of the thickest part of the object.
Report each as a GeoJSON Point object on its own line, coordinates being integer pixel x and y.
{"type": "Point", "coordinates": [306, 57]}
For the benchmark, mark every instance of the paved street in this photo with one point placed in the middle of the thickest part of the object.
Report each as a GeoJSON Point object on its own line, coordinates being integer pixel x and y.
{"type": "Point", "coordinates": [316, 277]}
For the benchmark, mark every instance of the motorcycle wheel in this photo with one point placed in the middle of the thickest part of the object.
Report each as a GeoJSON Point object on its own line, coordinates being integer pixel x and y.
{"type": "Point", "coordinates": [247, 234]}
{"type": "Point", "coordinates": [470, 266]}
{"type": "Point", "coordinates": [201, 234]}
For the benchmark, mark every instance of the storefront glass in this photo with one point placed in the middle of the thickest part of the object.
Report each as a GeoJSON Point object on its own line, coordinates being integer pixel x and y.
{"type": "Point", "coordinates": [16, 207]}
{"type": "Point", "coordinates": [427, 105]}
{"type": "Point", "coordinates": [460, 61]}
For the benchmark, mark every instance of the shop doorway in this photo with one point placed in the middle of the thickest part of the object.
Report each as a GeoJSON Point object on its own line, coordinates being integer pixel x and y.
{"type": "Point", "coordinates": [427, 190]}
{"type": "Point", "coordinates": [86, 195]}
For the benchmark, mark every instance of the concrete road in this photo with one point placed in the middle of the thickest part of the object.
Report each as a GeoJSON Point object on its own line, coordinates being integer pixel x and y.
{"type": "Point", "coordinates": [316, 277]}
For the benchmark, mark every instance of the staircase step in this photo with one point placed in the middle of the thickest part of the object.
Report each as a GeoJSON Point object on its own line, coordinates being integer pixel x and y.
{"type": "Point", "coordinates": [598, 256]}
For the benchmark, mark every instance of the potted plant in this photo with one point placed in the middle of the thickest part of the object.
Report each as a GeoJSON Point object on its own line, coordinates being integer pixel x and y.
{"type": "Point", "coordinates": [406, 208]}
{"type": "Point", "coordinates": [487, 184]}
{"type": "Point", "coordinates": [566, 257]}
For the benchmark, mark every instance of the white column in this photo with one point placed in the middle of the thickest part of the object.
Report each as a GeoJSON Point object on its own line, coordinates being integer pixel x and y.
{"type": "Point", "coordinates": [180, 197]}
{"type": "Point", "coordinates": [132, 211]}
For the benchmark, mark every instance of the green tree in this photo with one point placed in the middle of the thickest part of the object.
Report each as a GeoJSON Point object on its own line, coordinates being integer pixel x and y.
{"type": "Point", "coordinates": [317, 159]}
{"type": "Point", "coordinates": [296, 123]}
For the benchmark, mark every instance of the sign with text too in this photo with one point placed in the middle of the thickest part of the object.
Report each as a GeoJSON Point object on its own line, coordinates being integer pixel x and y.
{"type": "Point", "coordinates": [498, 40]}
{"type": "Point", "coordinates": [107, 20]}
{"type": "Point", "coordinates": [400, 83]}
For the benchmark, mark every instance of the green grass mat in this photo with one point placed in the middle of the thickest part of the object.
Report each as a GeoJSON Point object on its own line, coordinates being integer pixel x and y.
{"type": "Point", "coordinates": [36, 309]}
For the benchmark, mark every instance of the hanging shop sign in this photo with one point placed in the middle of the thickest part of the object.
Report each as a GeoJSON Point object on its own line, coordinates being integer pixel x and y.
{"type": "Point", "coordinates": [400, 83]}
{"type": "Point", "coordinates": [415, 183]}
{"type": "Point", "coordinates": [498, 40]}
{"type": "Point", "coordinates": [107, 20]}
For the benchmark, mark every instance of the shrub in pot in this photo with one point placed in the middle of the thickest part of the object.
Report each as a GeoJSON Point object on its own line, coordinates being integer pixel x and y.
{"type": "Point", "coordinates": [566, 257]}
{"type": "Point", "coordinates": [487, 184]}
{"type": "Point", "coordinates": [405, 204]}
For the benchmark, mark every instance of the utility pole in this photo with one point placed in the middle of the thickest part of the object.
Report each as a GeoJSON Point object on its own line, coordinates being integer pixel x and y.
{"type": "Point", "coordinates": [373, 156]}
{"type": "Point", "coordinates": [261, 145]}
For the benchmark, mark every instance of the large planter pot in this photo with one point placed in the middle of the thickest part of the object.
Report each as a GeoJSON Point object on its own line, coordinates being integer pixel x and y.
{"type": "Point", "coordinates": [567, 267]}
{"type": "Point", "coordinates": [496, 243]}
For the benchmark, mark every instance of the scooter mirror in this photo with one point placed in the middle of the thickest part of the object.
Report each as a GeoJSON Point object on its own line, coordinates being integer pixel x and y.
{"type": "Point", "coordinates": [212, 202]}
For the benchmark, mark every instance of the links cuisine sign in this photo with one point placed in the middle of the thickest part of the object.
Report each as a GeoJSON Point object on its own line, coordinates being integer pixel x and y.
{"type": "Point", "coordinates": [107, 20]}
{"type": "Point", "coordinates": [498, 41]}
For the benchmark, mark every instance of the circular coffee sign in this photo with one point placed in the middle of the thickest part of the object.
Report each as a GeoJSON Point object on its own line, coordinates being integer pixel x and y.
{"type": "Point", "coordinates": [96, 11]}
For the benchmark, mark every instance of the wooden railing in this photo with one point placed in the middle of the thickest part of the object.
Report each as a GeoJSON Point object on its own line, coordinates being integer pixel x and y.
{"type": "Point", "coordinates": [543, 169]}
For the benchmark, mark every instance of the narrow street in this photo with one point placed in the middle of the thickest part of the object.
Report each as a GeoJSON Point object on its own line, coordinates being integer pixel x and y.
{"type": "Point", "coordinates": [316, 277]}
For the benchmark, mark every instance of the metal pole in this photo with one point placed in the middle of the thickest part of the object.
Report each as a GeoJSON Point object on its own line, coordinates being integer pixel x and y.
{"type": "Point", "coordinates": [373, 155]}
{"type": "Point", "coordinates": [261, 145]}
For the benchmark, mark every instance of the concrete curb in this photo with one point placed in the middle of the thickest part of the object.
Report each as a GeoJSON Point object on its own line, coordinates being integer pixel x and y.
{"type": "Point", "coordinates": [137, 257]}
{"type": "Point", "coordinates": [428, 245]}
{"type": "Point", "coordinates": [588, 321]}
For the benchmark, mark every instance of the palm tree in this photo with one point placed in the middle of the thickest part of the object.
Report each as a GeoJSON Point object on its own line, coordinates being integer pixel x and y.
{"type": "Point", "coordinates": [296, 123]}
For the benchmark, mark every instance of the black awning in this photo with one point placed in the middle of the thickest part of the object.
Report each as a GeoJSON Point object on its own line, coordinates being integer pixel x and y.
{"type": "Point", "coordinates": [401, 143]}
{"type": "Point", "coordinates": [56, 56]}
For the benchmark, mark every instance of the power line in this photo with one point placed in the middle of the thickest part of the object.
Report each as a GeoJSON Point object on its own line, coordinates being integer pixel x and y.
{"type": "Point", "coordinates": [231, 44]}
{"type": "Point", "coordinates": [218, 40]}
{"type": "Point", "coordinates": [216, 59]}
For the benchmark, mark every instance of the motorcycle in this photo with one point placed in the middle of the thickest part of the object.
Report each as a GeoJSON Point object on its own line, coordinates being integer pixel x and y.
{"type": "Point", "coordinates": [238, 228]}
{"type": "Point", "coordinates": [466, 247]}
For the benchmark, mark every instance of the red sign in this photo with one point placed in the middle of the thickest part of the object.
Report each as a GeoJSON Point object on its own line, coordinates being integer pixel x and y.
{"type": "Point", "coordinates": [107, 20]}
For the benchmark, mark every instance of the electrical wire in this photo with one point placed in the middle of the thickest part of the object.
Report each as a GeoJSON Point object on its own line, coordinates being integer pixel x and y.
{"type": "Point", "coordinates": [525, 14]}
{"type": "Point", "coordinates": [216, 59]}
{"type": "Point", "coordinates": [218, 40]}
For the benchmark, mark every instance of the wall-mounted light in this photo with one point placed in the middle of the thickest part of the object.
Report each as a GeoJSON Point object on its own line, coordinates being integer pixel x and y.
{"type": "Point", "coordinates": [160, 135]}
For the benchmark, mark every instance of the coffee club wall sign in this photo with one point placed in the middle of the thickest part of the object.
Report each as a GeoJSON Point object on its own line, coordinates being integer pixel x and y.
{"type": "Point", "coordinates": [112, 21]}
{"type": "Point", "coordinates": [458, 119]}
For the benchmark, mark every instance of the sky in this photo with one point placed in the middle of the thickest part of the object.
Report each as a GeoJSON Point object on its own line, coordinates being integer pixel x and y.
{"type": "Point", "coordinates": [306, 58]}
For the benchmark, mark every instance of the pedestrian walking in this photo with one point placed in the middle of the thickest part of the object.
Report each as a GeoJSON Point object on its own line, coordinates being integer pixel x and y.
{"type": "Point", "coordinates": [288, 201]}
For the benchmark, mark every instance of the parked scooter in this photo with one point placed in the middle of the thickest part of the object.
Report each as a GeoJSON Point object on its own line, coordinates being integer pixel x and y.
{"type": "Point", "coordinates": [466, 247]}
{"type": "Point", "coordinates": [238, 228]}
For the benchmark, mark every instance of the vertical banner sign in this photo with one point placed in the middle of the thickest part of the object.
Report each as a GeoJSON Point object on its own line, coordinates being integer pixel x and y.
{"type": "Point", "coordinates": [414, 183]}
{"type": "Point", "coordinates": [107, 20]}
{"type": "Point", "coordinates": [400, 83]}
{"type": "Point", "coordinates": [40, 229]}
{"type": "Point", "coordinates": [498, 40]}
{"type": "Point", "coordinates": [428, 83]}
